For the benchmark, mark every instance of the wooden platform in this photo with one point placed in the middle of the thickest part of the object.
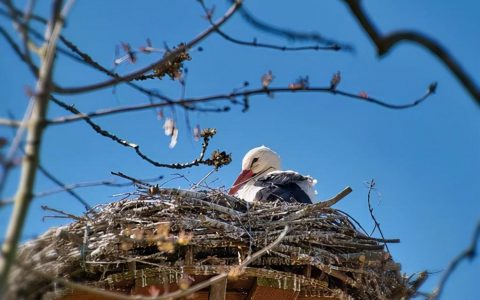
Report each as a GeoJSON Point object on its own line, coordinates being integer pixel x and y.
{"type": "Point", "coordinates": [254, 284]}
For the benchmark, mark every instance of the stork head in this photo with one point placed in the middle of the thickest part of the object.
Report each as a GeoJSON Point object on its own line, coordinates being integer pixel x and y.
{"type": "Point", "coordinates": [257, 161]}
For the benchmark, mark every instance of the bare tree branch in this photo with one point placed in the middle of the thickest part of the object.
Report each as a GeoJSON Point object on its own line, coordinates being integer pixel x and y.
{"type": "Point", "coordinates": [290, 34]}
{"type": "Point", "coordinates": [22, 26]}
{"type": "Point", "coordinates": [32, 147]}
{"type": "Point", "coordinates": [17, 50]}
{"type": "Point", "coordinates": [469, 253]}
{"type": "Point", "coordinates": [207, 135]}
{"type": "Point", "coordinates": [231, 97]}
{"type": "Point", "coordinates": [162, 63]}
{"type": "Point", "coordinates": [64, 187]}
{"type": "Point", "coordinates": [384, 43]}
{"type": "Point", "coordinates": [132, 179]}
{"type": "Point", "coordinates": [229, 38]}
{"type": "Point", "coordinates": [228, 97]}
{"type": "Point", "coordinates": [72, 186]}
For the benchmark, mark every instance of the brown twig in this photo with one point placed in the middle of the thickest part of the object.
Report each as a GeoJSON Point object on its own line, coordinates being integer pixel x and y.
{"type": "Point", "coordinates": [196, 162]}
{"type": "Point", "coordinates": [371, 187]}
{"type": "Point", "coordinates": [323, 204]}
{"type": "Point", "coordinates": [384, 43]}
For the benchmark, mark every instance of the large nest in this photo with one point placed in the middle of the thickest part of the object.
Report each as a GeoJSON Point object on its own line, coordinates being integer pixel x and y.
{"type": "Point", "coordinates": [164, 234]}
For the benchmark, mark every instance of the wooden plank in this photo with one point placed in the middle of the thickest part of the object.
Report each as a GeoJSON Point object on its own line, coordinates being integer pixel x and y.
{"type": "Point", "coordinates": [84, 296]}
{"type": "Point", "coordinates": [189, 256]}
{"type": "Point", "coordinates": [218, 290]}
{"type": "Point", "coordinates": [259, 292]}
{"type": "Point", "coordinates": [317, 298]}
{"type": "Point", "coordinates": [229, 296]}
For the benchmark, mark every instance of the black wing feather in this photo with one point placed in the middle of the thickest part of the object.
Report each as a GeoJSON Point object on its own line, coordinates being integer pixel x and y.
{"type": "Point", "coordinates": [282, 186]}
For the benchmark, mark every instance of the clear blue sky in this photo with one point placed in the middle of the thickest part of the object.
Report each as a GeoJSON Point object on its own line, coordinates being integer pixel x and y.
{"type": "Point", "coordinates": [426, 160]}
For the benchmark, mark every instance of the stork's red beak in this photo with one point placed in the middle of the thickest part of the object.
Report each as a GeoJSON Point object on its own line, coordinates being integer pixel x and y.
{"type": "Point", "coordinates": [241, 180]}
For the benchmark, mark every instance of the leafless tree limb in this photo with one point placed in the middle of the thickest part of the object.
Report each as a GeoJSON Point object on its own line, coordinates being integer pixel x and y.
{"type": "Point", "coordinates": [63, 186]}
{"type": "Point", "coordinates": [61, 212]}
{"type": "Point", "coordinates": [17, 50]}
{"type": "Point", "coordinates": [22, 26]}
{"type": "Point", "coordinates": [162, 63]}
{"type": "Point", "coordinates": [290, 34]}
{"type": "Point", "coordinates": [384, 43]}
{"type": "Point", "coordinates": [254, 43]}
{"type": "Point", "coordinates": [196, 162]}
{"type": "Point", "coordinates": [32, 147]}
{"type": "Point", "coordinates": [469, 253]}
{"type": "Point", "coordinates": [16, 143]}
{"type": "Point", "coordinates": [228, 97]}
{"type": "Point", "coordinates": [132, 179]}
{"type": "Point", "coordinates": [231, 97]}
{"type": "Point", "coordinates": [70, 187]}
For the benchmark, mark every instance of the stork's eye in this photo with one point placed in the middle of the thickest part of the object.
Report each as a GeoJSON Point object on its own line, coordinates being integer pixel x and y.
{"type": "Point", "coordinates": [254, 161]}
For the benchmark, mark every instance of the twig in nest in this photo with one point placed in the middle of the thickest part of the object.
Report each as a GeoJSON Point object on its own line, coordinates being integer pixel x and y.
{"type": "Point", "coordinates": [311, 208]}
{"type": "Point", "coordinates": [196, 185]}
{"type": "Point", "coordinates": [64, 214]}
{"type": "Point", "coordinates": [371, 187]}
{"type": "Point", "coordinates": [169, 296]}
{"type": "Point", "coordinates": [133, 180]}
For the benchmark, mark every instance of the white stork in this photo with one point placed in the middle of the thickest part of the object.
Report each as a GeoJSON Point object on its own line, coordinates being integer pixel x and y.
{"type": "Point", "coordinates": [262, 180]}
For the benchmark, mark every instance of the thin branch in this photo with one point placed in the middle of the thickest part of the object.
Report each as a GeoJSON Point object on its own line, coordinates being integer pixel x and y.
{"type": "Point", "coordinates": [16, 143]}
{"type": "Point", "coordinates": [371, 187]}
{"type": "Point", "coordinates": [469, 253]}
{"type": "Point", "coordinates": [18, 51]}
{"type": "Point", "coordinates": [64, 187]}
{"type": "Point", "coordinates": [87, 59]}
{"type": "Point", "coordinates": [64, 214]}
{"type": "Point", "coordinates": [10, 122]}
{"type": "Point", "coordinates": [384, 43]}
{"type": "Point", "coordinates": [231, 97]}
{"type": "Point", "coordinates": [317, 206]}
{"type": "Point", "coordinates": [21, 24]}
{"type": "Point", "coordinates": [133, 180]}
{"type": "Point", "coordinates": [254, 43]}
{"type": "Point", "coordinates": [84, 58]}
{"type": "Point", "coordinates": [73, 186]}
{"type": "Point", "coordinates": [290, 34]}
{"type": "Point", "coordinates": [196, 162]}
{"type": "Point", "coordinates": [54, 179]}
{"type": "Point", "coordinates": [162, 63]}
